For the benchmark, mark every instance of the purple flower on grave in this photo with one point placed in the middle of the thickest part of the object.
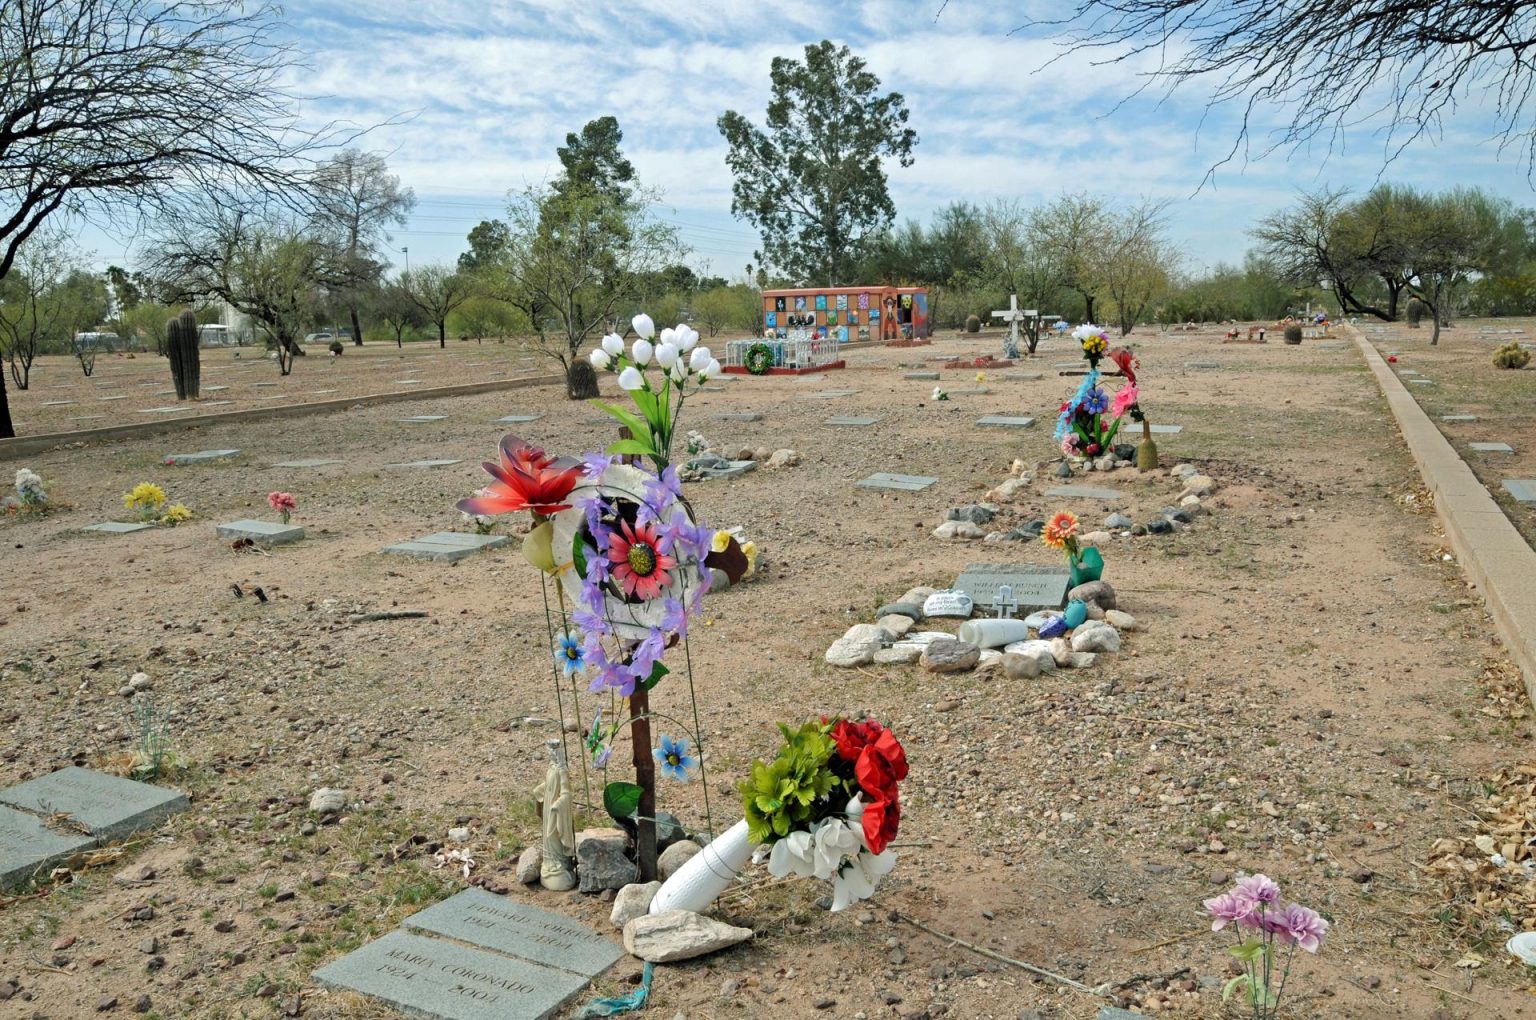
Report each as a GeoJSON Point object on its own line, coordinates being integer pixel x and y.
{"type": "Point", "coordinates": [594, 464]}
{"type": "Point", "coordinates": [674, 618]}
{"type": "Point", "coordinates": [1230, 908]}
{"type": "Point", "coordinates": [1298, 925]}
{"type": "Point", "coordinates": [663, 491]}
{"type": "Point", "coordinates": [1259, 888]}
{"type": "Point", "coordinates": [1054, 627]}
{"type": "Point", "coordinates": [1095, 402]}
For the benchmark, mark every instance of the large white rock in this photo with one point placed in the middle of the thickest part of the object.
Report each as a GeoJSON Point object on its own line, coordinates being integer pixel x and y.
{"type": "Point", "coordinates": [783, 458]}
{"type": "Point", "coordinates": [900, 654]}
{"type": "Point", "coordinates": [1120, 621]}
{"type": "Point", "coordinates": [679, 935]}
{"type": "Point", "coordinates": [632, 901]}
{"type": "Point", "coordinates": [327, 800]}
{"type": "Point", "coordinates": [1198, 485]}
{"type": "Point", "coordinates": [528, 863]}
{"type": "Point", "coordinates": [1095, 637]}
{"type": "Point", "coordinates": [960, 530]}
{"type": "Point", "coordinates": [1039, 651]}
{"type": "Point", "coordinates": [895, 625]}
{"type": "Point", "coordinates": [858, 646]}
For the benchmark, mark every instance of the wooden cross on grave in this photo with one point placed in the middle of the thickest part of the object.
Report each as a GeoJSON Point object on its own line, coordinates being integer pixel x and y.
{"type": "Point", "coordinates": [1013, 315]}
{"type": "Point", "coordinates": [1004, 602]}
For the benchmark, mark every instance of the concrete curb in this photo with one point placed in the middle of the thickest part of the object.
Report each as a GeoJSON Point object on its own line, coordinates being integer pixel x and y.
{"type": "Point", "coordinates": [23, 446]}
{"type": "Point", "coordinates": [1495, 557]}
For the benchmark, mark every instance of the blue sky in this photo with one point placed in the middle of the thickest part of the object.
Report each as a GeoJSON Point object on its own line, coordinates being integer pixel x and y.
{"type": "Point", "coordinates": [483, 93]}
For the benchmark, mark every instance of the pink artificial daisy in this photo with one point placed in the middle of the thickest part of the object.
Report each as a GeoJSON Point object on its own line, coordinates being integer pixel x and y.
{"type": "Point", "coordinates": [639, 567]}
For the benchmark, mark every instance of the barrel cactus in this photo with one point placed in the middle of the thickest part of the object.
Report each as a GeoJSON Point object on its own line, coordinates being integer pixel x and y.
{"type": "Point", "coordinates": [1415, 312]}
{"type": "Point", "coordinates": [181, 345]}
{"type": "Point", "coordinates": [581, 380]}
{"type": "Point", "coordinates": [1293, 333]}
{"type": "Point", "coordinates": [972, 324]}
{"type": "Point", "coordinates": [1511, 355]}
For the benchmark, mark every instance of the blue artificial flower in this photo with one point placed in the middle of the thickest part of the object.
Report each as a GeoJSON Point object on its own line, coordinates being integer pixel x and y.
{"type": "Point", "coordinates": [601, 758]}
{"type": "Point", "coordinates": [594, 464]}
{"type": "Point", "coordinates": [569, 652]}
{"type": "Point", "coordinates": [1096, 402]}
{"type": "Point", "coordinates": [674, 759]}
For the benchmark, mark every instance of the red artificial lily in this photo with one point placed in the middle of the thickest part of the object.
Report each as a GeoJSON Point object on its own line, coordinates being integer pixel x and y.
{"type": "Point", "coordinates": [526, 479]}
{"type": "Point", "coordinates": [1127, 362]}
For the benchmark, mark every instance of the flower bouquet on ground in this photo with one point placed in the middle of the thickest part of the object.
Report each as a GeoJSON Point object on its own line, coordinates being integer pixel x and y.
{"type": "Point", "coordinates": [1089, 421]}
{"type": "Point", "coordinates": [827, 807]}
{"type": "Point", "coordinates": [1060, 532]}
{"type": "Point", "coordinates": [1263, 926]}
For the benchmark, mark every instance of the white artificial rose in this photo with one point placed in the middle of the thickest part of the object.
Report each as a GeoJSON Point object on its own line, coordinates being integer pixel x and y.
{"type": "Point", "coordinates": [631, 379]}
{"type": "Point", "coordinates": [668, 336]}
{"type": "Point", "coordinates": [711, 370]}
{"type": "Point", "coordinates": [690, 337]}
{"type": "Point", "coordinates": [641, 352]}
{"type": "Point", "coordinates": [600, 359]}
{"type": "Point", "coordinates": [666, 353]}
{"type": "Point", "coordinates": [613, 344]}
{"type": "Point", "coordinates": [643, 325]}
{"type": "Point", "coordinates": [698, 359]}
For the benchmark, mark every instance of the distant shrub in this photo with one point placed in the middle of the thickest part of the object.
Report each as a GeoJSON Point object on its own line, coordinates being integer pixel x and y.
{"type": "Point", "coordinates": [336, 347]}
{"type": "Point", "coordinates": [1511, 355]}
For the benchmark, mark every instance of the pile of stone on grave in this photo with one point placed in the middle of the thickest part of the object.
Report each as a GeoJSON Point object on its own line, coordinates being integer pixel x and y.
{"type": "Point", "coordinates": [705, 461]}
{"type": "Point", "coordinates": [604, 868]}
{"type": "Point", "coordinates": [894, 638]}
{"type": "Point", "coordinates": [971, 523]}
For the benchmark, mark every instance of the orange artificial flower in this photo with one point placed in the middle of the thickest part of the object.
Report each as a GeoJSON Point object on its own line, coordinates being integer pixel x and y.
{"type": "Point", "coordinates": [1060, 530]}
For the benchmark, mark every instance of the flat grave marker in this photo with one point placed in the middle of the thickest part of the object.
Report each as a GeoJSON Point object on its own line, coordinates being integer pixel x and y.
{"type": "Point", "coordinates": [1200, 365]}
{"type": "Point", "coordinates": [88, 417]}
{"type": "Point", "coordinates": [848, 419]}
{"type": "Point", "coordinates": [1023, 376]}
{"type": "Point", "coordinates": [1166, 430]}
{"type": "Point", "coordinates": [739, 416]}
{"type": "Point", "coordinates": [971, 391]}
{"type": "Point", "coordinates": [1458, 419]}
{"type": "Point", "coordinates": [1085, 492]}
{"type": "Point", "coordinates": [1409, 371]}
{"type": "Point", "coordinates": [261, 532]}
{"type": "Point", "coordinates": [1067, 364]}
{"type": "Point", "coordinates": [518, 419]}
{"type": "Point", "coordinates": [507, 926]}
{"type": "Point", "coordinates": [212, 389]}
{"type": "Point", "coordinates": [321, 393]}
{"type": "Point", "coordinates": [900, 483]}
{"type": "Point", "coordinates": [28, 847]}
{"type": "Point", "coordinates": [118, 397]}
{"type": "Point", "coordinates": [447, 546]}
{"type": "Point", "coordinates": [440, 980]}
{"type": "Point", "coordinates": [1005, 421]}
{"type": "Point", "coordinates": [1421, 382]}
{"type": "Point", "coordinates": [109, 806]}
{"type": "Point", "coordinates": [1491, 447]}
{"type": "Point", "coordinates": [57, 403]}
{"type": "Point", "coordinates": [1034, 586]}
{"type": "Point", "coordinates": [424, 463]}
{"type": "Point", "coordinates": [828, 394]}
{"type": "Point", "coordinates": [117, 527]}
{"type": "Point", "coordinates": [404, 382]}
{"type": "Point", "coordinates": [168, 409]}
{"type": "Point", "coordinates": [421, 419]}
{"type": "Point", "coordinates": [200, 457]}
{"type": "Point", "coordinates": [307, 462]}
{"type": "Point", "coordinates": [921, 375]}
{"type": "Point", "coordinates": [262, 385]}
{"type": "Point", "coordinates": [1522, 489]}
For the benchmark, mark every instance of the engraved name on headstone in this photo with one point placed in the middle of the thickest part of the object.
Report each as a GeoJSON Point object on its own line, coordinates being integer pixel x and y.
{"type": "Point", "coordinates": [1031, 586]}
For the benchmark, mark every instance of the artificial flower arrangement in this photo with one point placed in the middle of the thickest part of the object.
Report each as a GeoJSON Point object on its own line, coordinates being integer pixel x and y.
{"type": "Point", "coordinates": [629, 561]}
{"type": "Point", "coordinates": [29, 487]}
{"type": "Point", "coordinates": [148, 501]}
{"type": "Point", "coordinates": [828, 805]}
{"type": "Point", "coordinates": [283, 503]}
{"type": "Point", "coordinates": [1253, 907]}
{"type": "Point", "coordinates": [1089, 421]}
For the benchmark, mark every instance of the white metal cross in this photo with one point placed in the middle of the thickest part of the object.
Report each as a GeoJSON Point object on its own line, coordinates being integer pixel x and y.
{"type": "Point", "coordinates": [1013, 315]}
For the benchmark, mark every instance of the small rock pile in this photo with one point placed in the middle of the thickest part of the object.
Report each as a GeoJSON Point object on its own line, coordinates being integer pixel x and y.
{"type": "Point", "coordinates": [706, 462]}
{"type": "Point", "coordinates": [891, 640]}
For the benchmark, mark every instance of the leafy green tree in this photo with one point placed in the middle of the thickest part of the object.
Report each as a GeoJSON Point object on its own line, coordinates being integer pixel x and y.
{"type": "Point", "coordinates": [488, 241]}
{"type": "Point", "coordinates": [36, 310]}
{"type": "Point", "coordinates": [394, 307]}
{"type": "Point", "coordinates": [1069, 232]}
{"type": "Point", "coordinates": [812, 183]}
{"type": "Point", "coordinates": [438, 291]}
{"type": "Point", "coordinates": [356, 200]}
{"type": "Point", "coordinates": [734, 306]}
{"type": "Point", "coordinates": [591, 162]}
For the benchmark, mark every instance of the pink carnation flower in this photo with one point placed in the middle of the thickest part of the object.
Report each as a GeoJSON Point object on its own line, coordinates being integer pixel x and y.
{"type": "Point", "coordinates": [282, 502]}
{"type": "Point", "coordinates": [1259, 888]}
{"type": "Point", "coordinates": [1124, 399]}
{"type": "Point", "coordinates": [1231, 908]}
{"type": "Point", "coordinates": [1296, 924]}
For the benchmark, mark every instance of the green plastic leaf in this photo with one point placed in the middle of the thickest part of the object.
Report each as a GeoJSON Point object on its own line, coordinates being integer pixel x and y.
{"type": "Point", "coordinates": [1249, 950]}
{"type": "Point", "coordinates": [657, 672]}
{"type": "Point", "coordinates": [621, 800]}
{"type": "Point", "coordinates": [579, 554]}
{"type": "Point", "coordinates": [637, 447]}
{"type": "Point", "coordinates": [1230, 988]}
{"type": "Point", "coordinates": [636, 425]}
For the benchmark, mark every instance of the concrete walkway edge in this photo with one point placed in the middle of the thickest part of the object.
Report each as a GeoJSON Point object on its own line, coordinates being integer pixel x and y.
{"type": "Point", "coordinates": [25, 446]}
{"type": "Point", "coordinates": [1497, 560]}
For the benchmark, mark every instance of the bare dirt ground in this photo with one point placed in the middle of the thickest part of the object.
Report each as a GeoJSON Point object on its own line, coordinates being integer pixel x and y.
{"type": "Point", "coordinates": [1314, 694]}
{"type": "Point", "coordinates": [124, 389]}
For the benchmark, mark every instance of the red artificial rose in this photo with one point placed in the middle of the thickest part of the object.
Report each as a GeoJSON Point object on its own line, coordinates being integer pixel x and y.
{"type": "Point", "coordinates": [853, 737]}
{"type": "Point", "coordinates": [881, 820]}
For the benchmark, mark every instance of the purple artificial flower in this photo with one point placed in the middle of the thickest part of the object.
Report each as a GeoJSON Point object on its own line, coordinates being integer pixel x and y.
{"type": "Point", "coordinates": [601, 761]}
{"type": "Point", "coordinates": [589, 623]}
{"type": "Point", "coordinates": [646, 654]}
{"type": "Point", "coordinates": [594, 464]}
{"type": "Point", "coordinates": [1297, 925]}
{"type": "Point", "coordinates": [674, 617]}
{"type": "Point", "coordinates": [594, 509]}
{"type": "Point", "coordinates": [696, 597]}
{"type": "Point", "coordinates": [661, 492]}
{"type": "Point", "coordinates": [1259, 888]}
{"type": "Point", "coordinates": [1230, 908]}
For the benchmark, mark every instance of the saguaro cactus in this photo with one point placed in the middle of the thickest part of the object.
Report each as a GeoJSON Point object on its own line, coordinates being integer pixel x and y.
{"type": "Point", "coordinates": [181, 345]}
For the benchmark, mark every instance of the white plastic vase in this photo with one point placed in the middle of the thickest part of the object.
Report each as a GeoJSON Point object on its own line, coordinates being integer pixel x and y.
{"type": "Point", "coordinates": [707, 873]}
{"type": "Point", "coordinates": [993, 633]}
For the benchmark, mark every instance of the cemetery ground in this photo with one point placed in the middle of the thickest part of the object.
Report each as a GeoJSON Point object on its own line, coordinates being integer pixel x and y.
{"type": "Point", "coordinates": [1312, 692]}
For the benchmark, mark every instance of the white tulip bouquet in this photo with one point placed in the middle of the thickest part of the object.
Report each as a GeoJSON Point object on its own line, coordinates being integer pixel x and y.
{"type": "Point", "coordinates": [681, 363]}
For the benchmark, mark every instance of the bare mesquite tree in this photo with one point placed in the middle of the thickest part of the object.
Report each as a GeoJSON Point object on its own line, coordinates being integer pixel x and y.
{"type": "Point", "coordinates": [438, 291]}
{"type": "Point", "coordinates": [1329, 64]}
{"type": "Point", "coordinates": [356, 200]}
{"type": "Point", "coordinates": [113, 109]}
